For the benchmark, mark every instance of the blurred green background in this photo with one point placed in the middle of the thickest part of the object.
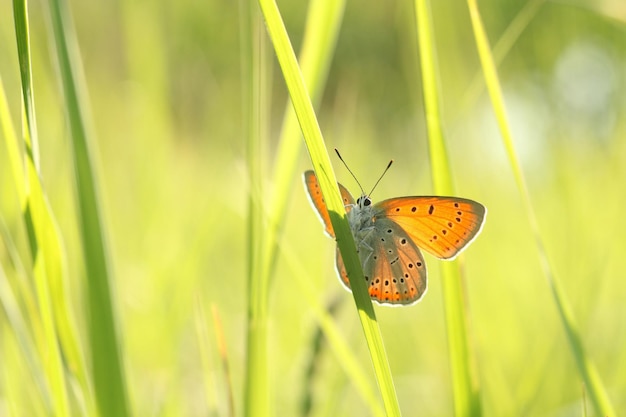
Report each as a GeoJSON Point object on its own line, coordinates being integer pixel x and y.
{"type": "Point", "coordinates": [165, 90]}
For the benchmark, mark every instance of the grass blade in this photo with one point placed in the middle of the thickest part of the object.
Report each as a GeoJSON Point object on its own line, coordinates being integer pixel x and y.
{"type": "Point", "coordinates": [323, 168]}
{"type": "Point", "coordinates": [223, 352]}
{"type": "Point", "coordinates": [503, 46]}
{"type": "Point", "coordinates": [18, 325]}
{"type": "Point", "coordinates": [333, 334]}
{"type": "Point", "coordinates": [42, 234]}
{"type": "Point", "coordinates": [255, 71]}
{"type": "Point", "coordinates": [106, 356]}
{"type": "Point", "coordinates": [465, 389]}
{"type": "Point", "coordinates": [319, 41]}
{"type": "Point", "coordinates": [588, 372]}
{"type": "Point", "coordinates": [321, 32]}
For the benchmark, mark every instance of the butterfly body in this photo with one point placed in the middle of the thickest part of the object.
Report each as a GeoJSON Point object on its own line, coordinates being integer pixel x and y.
{"type": "Point", "coordinates": [389, 235]}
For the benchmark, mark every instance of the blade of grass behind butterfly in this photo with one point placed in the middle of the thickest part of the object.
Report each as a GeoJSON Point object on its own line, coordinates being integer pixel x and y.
{"type": "Point", "coordinates": [106, 356]}
{"type": "Point", "coordinates": [26, 328]}
{"type": "Point", "coordinates": [42, 234]}
{"type": "Point", "coordinates": [318, 44]}
{"type": "Point", "coordinates": [19, 327]}
{"type": "Point", "coordinates": [326, 177]}
{"type": "Point", "coordinates": [217, 405]}
{"type": "Point", "coordinates": [320, 37]}
{"type": "Point", "coordinates": [465, 389]}
{"type": "Point", "coordinates": [45, 238]}
{"type": "Point", "coordinates": [17, 395]}
{"type": "Point", "coordinates": [501, 48]}
{"type": "Point", "coordinates": [336, 340]}
{"type": "Point", "coordinates": [586, 367]}
{"type": "Point", "coordinates": [256, 107]}
{"type": "Point", "coordinates": [321, 32]}
{"type": "Point", "coordinates": [16, 160]}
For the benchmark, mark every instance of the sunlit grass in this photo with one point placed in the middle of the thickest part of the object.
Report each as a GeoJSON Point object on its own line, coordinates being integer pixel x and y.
{"type": "Point", "coordinates": [592, 380]}
{"type": "Point", "coordinates": [174, 181]}
{"type": "Point", "coordinates": [465, 388]}
{"type": "Point", "coordinates": [316, 147]}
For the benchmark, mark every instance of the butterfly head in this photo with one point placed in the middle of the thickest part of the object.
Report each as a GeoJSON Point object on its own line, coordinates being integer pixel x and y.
{"type": "Point", "coordinates": [363, 201]}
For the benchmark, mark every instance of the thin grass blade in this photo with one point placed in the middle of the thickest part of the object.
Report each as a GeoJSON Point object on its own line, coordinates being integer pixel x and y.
{"type": "Point", "coordinates": [106, 356]}
{"type": "Point", "coordinates": [316, 52]}
{"type": "Point", "coordinates": [503, 46]}
{"type": "Point", "coordinates": [41, 231]}
{"type": "Point", "coordinates": [336, 340]}
{"type": "Point", "coordinates": [256, 102]}
{"type": "Point", "coordinates": [597, 393]}
{"type": "Point", "coordinates": [464, 382]}
{"type": "Point", "coordinates": [17, 323]}
{"type": "Point", "coordinates": [320, 37]}
{"type": "Point", "coordinates": [323, 168]}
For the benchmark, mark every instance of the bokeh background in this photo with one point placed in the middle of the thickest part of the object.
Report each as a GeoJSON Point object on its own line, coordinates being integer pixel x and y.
{"type": "Point", "coordinates": [165, 90]}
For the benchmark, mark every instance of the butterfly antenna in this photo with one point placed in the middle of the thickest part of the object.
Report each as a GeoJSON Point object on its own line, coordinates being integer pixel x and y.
{"type": "Point", "coordinates": [381, 176]}
{"type": "Point", "coordinates": [350, 171]}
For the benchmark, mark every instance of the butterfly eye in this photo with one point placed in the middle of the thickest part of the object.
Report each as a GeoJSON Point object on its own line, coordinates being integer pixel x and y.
{"type": "Point", "coordinates": [367, 202]}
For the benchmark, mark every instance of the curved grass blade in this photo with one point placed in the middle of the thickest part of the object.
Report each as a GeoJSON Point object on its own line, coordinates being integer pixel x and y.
{"type": "Point", "coordinates": [336, 340]}
{"type": "Point", "coordinates": [42, 232]}
{"type": "Point", "coordinates": [464, 382]}
{"type": "Point", "coordinates": [502, 47]}
{"type": "Point", "coordinates": [322, 29]}
{"type": "Point", "coordinates": [587, 369]}
{"type": "Point", "coordinates": [321, 163]}
{"type": "Point", "coordinates": [18, 325]}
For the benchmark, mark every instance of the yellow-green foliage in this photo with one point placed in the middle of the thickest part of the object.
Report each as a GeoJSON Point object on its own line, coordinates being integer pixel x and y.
{"type": "Point", "coordinates": [165, 91]}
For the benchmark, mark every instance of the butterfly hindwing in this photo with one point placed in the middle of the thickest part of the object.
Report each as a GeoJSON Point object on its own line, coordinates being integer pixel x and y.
{"type": "Point", "coordinates": [442, 226]}
{"type": "Point", "coordinates": [394, 269]}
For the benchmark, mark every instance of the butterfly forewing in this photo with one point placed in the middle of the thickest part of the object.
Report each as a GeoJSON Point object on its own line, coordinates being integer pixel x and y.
{"type": "Point", "coordinates": [442, 226]}
{"type": "Point", "coordinates": [317, 200]}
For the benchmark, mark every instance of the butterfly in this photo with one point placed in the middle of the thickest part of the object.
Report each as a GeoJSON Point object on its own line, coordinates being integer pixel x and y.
{"type": "Point", "coordinates": [389, 235]}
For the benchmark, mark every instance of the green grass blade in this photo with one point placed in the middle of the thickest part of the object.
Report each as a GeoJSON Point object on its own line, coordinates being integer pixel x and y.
{"type": "Point", "coordinates": [17, 393]}
{"type": "Point", "coordinates": [598, 395]}
{"type": "Point", "coordinates": [43, 240]}
{"type": "Point", "coordinates": [323, 168]}
{"type": "Point", "coordinates": [320, 38]}
{"type": "Point", "coordinates": [19, 327]}
{"type": "Point", "coordinates": [257, 397]}
{"type": "Point", "coordinates": [464, 382]}
{"type": "Point", "coordinates": [109, 382]}
{"type": "Point", "coordinates": [318, 45]}
{"type": "Point", "coordinates": [44, 237]}
{"type": "Point", "coordinates": [333, 334]}
{"type": "Point", "coordinates": [503, 46]}
{"type": "Point", "coordinates": [20, 14]}
{"type": "Point", "coordinates": [14, 153]}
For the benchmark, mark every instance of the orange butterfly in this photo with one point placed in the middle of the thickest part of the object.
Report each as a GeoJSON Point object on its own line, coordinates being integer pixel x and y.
{"type": "Point", "coordinates": [388, 236]}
